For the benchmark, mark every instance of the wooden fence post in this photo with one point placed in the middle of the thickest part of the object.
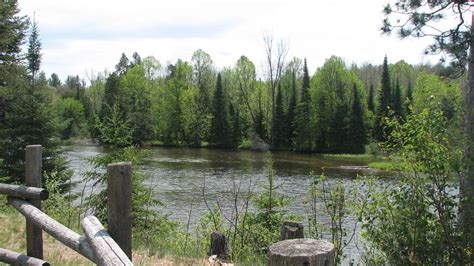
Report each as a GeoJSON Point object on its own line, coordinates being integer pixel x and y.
{"type": "Point", "coordinates": [34, 235]}
{"type": "Point", "coordinates": [119, 206]}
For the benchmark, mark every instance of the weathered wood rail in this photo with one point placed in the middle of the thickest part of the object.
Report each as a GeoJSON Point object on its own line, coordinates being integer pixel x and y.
{"type": "Point", "coordinates": [97, 246]}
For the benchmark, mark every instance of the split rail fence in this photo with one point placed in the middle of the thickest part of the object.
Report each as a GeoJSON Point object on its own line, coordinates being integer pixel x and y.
{"type": "Point", "coordinates": [112, 247]}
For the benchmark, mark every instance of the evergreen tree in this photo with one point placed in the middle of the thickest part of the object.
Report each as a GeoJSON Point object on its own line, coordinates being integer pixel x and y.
{"type": "Point", "coordinates": [136, 59]}
{"type": "Point", "coordinates": [278, 121]}
{"type": "Point", "coordinates": [381, 131]}
{"type": "Point", "coordinates": [408, 99]}
{"type": "Point", "coordinates": [370, 101]}
{"type": "Point", "coordinates": [26, 115]}
{"type": "Point", "coordinates": [236, 126]}
{"type": "Point", "coordinates": [54, 81]}
{"type": "Point", "coordinates": [123, 65]}
{"type": "Point", "coordinates": [397, 100]}
{"type": "Point", "coordinates": [290, 114]}
{"type": "Point", "coordinates": [33, 55]}
{"type": "Point", "coordinates": [357, 128]}
{"type": "Point", "coordinates": [12, 34]}
{"type": "Point", "coordinates": [111, 94]}
{"type": "Point", "coordinates": [338, 133]}
{"type": "Point", "coordinates": [219, 132]}
{"type": "Point", "coordinates": [302, 117]}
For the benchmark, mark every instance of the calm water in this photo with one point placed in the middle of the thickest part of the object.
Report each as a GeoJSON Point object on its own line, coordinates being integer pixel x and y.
{"type": "Point", "coordinates": [187, 181]}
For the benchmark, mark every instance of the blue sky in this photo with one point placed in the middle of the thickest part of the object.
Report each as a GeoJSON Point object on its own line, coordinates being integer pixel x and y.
{"type": "Point", "coordinates": [86, 37]}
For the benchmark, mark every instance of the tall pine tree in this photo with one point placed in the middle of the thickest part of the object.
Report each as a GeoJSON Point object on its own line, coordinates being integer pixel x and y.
{"type": "Point", "coordinates": [302, 117]}
{"type": "Point", "coordinates": [220, 135]}
{"type": "Point", "coordinates": [33, 55]}
{"type": "Point", "coordinates": [381, 130]}
{"type": "Point", "coordinates": [408, 99]}
{"type": "Point", "coordinates": [357, 128]}
{"type": "Point", "coordinates": [397, 100]}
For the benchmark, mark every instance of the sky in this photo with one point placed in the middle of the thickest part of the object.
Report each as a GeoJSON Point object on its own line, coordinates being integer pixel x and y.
{"type": "Point", "coordinates": [88, 36]}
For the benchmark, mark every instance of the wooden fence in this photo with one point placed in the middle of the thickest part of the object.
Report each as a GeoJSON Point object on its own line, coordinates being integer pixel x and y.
{"type": "Point", "coordinates": [112, 247]}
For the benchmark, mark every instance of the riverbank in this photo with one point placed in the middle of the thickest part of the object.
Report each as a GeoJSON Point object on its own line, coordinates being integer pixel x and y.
{"type": "Point", "coordinates": [377, 162]}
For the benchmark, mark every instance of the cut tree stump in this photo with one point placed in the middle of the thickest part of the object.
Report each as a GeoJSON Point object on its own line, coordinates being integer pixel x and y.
{"type": "Point", "coordinates": [219, 246]}
{"type": "Point", "coordinates": [303, 251]}
{"type": "Point", "coordinates": [291, 230]}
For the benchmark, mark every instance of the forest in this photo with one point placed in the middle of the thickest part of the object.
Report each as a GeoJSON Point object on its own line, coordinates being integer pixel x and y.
{"type": "Point", "coordinates": [411, 115]}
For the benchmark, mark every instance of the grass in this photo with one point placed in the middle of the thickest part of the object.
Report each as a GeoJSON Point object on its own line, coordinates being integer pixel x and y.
{"type": "Point", "coordinates": [361, 157]}
{"type": "Point", "coordinates": [12, 237]}
{"type": "Point", "coordinates": [384, 165]}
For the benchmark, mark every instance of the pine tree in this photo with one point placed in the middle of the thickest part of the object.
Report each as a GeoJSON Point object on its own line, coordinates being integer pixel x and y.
{"type": "Point", "coordinates": [357, 128]}
{"type": "Point", "coordinates": [370, 101]}
{"type": "Point", "coordinates": [236, 126]}
{"type": "Point", "coordinates": [290, 114]}
{"type": "Point", "coordinates": [338, 132]}
{"type": "Point", "coordinates": [12, 34]}
{"type": "Point", "coordinates": [397, 100]}
{"type": "Point", "coordinates": [385, 100]}
{"type": "Point", "coordinates": [136, 59]}
{"type": "Point", "coordinates": [26, 114]}
{"type": "Point", "coordinates": [54, 81]}
{"type": "Point", "coordinates": [302, 117]}
{"type": "Point", "coordinates": [33, 55]}
{"type": "Point", "coordinates": [408, 99]}
{"type": "Point", "coordinates": [278, 121]}
{"type": "Point", "coordinates": [219, 131]}
{"type": "Point", "coordinates": [123, 65]}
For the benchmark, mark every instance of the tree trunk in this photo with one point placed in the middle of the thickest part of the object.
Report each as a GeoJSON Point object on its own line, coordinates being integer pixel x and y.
{"type": "Point", "coordinates": [304, 251]}
{"type": "Point", "coordinates": [466, 182]}
{"type": "Point", "coordinates": [291, 230]}
{"type": "Point", "coordinates": [219, 246]}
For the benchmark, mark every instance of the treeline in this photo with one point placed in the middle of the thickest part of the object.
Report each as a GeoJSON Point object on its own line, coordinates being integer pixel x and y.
{"type": "Point", "coordinates": [339, 109]}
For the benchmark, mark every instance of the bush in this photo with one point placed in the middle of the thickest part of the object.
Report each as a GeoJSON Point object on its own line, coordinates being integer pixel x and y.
{"type": "Point", "coordinates": [415, 221]}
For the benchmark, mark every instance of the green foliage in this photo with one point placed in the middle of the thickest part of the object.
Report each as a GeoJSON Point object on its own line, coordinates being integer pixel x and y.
{"type": "Point", "coordinates": [72, 114]}
{"type": "Point", "coordinates": [115, 130]}
{"type": "Point", "coordinates": [33, 56]}
{"type": "Point", "coordinates": [370, 101]}
{"type": "Point", "coordinates": [54, 81]}
{"type": "Point", "coordinates": [357, 129]}
{"type": "Point", "coordinates": [303, 139]}
{"type": "Point", "coordinates": [397, 101]}
{"type": "Point", "coordinates": [333, 96]}
{"type": "Point", "coordinates": [220, 135]}
{"type": "Point", "coordinates": [29, 118]}
{"type": "Point", "coordinates": [420, 19]}
{"type": "Point", "coordinates": [12, 34]}
{"type": "Point", "coordinates": [415, 222]}
{"type": "Point", "coordinates": [336, 202]}
{"type": "Point", "coordinates": [145, 219]}
{"type": "Point", "coordinates": [270, 204]}
{"type": "Point", "coordinates": [279, 120]}
{"type": "Point", "coordinates": [381, 131]}
{"type": "Point", "coordinates": [290, 113]}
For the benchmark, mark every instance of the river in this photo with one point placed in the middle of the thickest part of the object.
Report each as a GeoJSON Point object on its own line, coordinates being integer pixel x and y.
{"type": "Point", "coordinates": [188, 181]}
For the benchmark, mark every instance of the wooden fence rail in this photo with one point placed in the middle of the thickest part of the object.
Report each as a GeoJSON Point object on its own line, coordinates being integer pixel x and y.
{"type": "Point", "coordinates": [15, 258]}
{"type": "Point", "coordinates": [24, 192]}
{"type": "Point", "coordinates": [106, 250]}
{"type": "Point", "coordinates": [99, 247]}
{"type": "Point", "coordinates": [65, 235]}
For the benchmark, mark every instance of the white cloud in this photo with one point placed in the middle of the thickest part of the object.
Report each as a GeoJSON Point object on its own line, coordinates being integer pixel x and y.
{"type": "Point", "coordinates": [80, 36]}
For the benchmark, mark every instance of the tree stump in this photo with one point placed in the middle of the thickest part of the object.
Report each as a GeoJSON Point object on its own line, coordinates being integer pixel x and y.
{"type": "Point", "coordinates": [291, 230]}
{"type": "Point", "coordinates": [219, 246]}
{"type": "Point", "coordinates": [303, 251]}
